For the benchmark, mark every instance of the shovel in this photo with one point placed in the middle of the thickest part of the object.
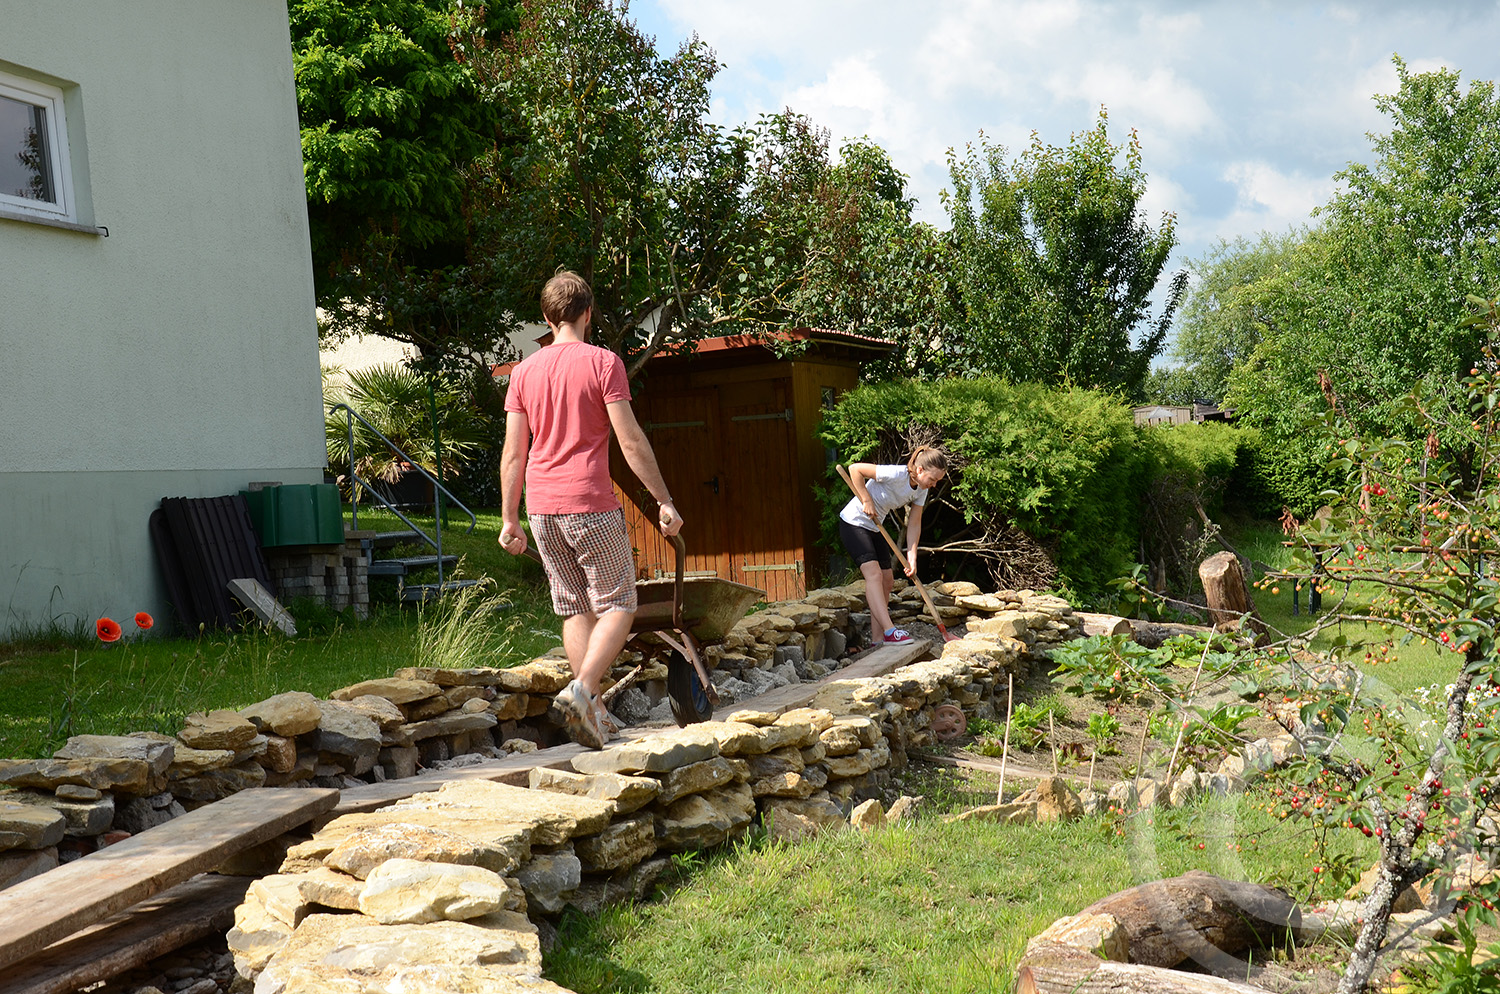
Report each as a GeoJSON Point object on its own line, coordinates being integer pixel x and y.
{"type": "Point", "coordinates": [942, 629]}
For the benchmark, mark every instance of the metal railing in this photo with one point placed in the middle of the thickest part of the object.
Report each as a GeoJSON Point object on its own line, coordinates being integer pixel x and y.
{"type": "Point", "coordinates": [358, 483]}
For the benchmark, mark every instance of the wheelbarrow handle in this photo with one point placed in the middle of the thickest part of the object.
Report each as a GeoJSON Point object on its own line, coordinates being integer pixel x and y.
{"type": "Point", "coordinates": [681, 547]}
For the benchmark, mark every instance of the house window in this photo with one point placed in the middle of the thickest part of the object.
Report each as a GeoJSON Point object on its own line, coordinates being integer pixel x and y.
{"type": "Point", "coordinates": [34, 174]}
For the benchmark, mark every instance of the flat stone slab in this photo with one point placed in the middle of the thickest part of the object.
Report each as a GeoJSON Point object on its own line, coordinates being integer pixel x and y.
{"type": "Point", "coordinates": [659, 753]}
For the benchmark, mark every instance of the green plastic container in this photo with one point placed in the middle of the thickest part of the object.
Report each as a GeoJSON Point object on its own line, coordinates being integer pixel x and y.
{"type": "Point", "coordinates": [296, 514]}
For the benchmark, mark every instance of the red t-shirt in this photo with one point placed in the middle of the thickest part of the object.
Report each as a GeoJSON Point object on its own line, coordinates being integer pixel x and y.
{"type": "Point", "coordinates": [563, 390]}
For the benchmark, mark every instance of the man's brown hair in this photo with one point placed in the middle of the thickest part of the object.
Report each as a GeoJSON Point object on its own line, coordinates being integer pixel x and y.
{"type": "Point", "coordinates": [566, 297]}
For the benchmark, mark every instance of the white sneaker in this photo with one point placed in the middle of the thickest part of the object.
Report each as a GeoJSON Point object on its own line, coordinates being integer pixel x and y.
{"type": "Point", "coordinates": [573, 708]}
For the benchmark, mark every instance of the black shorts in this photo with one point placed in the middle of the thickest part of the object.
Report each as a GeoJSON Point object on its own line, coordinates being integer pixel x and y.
{"type": "Point", "coordinates": [864, 546]}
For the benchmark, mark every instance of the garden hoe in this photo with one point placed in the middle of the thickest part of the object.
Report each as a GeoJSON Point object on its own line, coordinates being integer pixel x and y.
{"type": "Point", "coordinates": [942, 629]}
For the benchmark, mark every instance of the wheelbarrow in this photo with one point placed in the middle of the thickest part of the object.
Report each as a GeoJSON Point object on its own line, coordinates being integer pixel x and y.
{"type": "Point", "coordinates": [684, 612]}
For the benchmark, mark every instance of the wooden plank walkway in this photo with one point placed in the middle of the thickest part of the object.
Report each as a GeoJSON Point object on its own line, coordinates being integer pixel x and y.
{"type": "Point", "coordinates": [38, 912]}
{"type": "Point", "coordinates": [875, 662]}
{"type": "Point", "coordinates": [190, 911]}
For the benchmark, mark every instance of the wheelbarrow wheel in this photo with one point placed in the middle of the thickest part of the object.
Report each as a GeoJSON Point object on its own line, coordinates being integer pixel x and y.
{"type": "Point", "coordinates": [689, 701]}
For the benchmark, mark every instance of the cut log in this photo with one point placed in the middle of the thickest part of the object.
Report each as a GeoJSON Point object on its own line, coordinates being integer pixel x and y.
{"type": "Point", "coordinates": [1103, 624]}
{"type": "Point", "coordinates": [1061, 970]}
{"type": "Point", "coordinates": [1227, 593]}
{"type": "Point", "coordinates": [1153, 633]}
{"type": "Point", "coordinates": [1201, 917]}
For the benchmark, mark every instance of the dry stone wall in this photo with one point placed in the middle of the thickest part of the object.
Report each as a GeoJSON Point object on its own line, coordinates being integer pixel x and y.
{"type": "Point", "coordinates": [452, 889]}
{"type": "Point", "coordinates": [448, 890]}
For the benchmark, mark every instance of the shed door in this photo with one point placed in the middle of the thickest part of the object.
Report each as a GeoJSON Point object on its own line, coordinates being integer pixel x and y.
{"type": "Point", "coordinates": [684, 432]}
{"type": "Point", "coordinates": [765, 535]}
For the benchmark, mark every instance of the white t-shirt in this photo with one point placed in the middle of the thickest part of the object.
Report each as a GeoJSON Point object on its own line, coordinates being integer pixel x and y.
{"type": "Point", "coordinates": [890, 489]}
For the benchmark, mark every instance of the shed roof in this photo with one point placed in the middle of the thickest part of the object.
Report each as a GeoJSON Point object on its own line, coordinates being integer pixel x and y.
{"type": "Point", "coordinates": [823, 342]}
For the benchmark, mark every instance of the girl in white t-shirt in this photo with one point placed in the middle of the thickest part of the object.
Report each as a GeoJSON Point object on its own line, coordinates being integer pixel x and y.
{"type": "Point", "coordinates": [880, 490]}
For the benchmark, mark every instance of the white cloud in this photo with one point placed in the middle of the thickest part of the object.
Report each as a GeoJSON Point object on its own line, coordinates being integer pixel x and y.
{"type": "Point", "coordinates": [1245, 109]}
{"type": "Point", "coordinates": [1268, 199]}
{"type": "Point", "coordinates": [1159, 98]}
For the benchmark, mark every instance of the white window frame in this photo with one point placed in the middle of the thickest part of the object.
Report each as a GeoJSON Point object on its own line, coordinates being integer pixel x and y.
{"type": "Point", "coordinates": [50, 98]}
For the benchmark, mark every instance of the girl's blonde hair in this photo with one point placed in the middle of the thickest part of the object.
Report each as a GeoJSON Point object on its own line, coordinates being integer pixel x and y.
{"type": "Point", "coordinates": [927, 457]}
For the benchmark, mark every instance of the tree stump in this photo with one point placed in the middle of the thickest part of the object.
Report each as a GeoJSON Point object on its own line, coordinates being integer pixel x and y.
{"type": "Point", "coordinates": [1201, 917]}
{"type": "Point", "coordinates": [1228, 594]}
{"type": "Point", "coordinates": [1059, 970]}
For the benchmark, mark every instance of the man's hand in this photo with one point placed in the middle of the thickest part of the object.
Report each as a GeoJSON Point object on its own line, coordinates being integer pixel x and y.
{"type": "Point", "coordinates": [869, 508]}
{"type": "Point", "coordinates": [669, 519]}
{"type": "Point", "coordinates": [911, 562]}
{"type": "Point", "coordinates": [512, 538]}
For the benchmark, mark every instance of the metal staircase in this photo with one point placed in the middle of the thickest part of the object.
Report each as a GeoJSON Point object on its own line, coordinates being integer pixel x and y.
{"type": "Point", "coordinates": [402, 566]}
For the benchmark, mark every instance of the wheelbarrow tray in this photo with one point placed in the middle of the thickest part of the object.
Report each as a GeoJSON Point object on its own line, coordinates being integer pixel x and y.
{"type": "Point", "coordinates": [710, 605]}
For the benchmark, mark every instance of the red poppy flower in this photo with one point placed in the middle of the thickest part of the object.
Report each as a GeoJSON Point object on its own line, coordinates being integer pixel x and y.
{"type": "Point", "coordinates": [107, 629]}
{"type": "Point", "coordinates": [143, 620]}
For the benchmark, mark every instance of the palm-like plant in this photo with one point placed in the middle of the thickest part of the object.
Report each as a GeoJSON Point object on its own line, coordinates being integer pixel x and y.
{"type": "Point", "coordinates": [396, 400]}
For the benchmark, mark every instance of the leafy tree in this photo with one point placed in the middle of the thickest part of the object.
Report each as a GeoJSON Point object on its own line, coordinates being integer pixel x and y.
{"type": "Point", "coordinates": [1221, 323]}
{"type": "Point", "coordinates": [390, 121]}
{"type": "Point", "coordinates": [1412, 535]}
{"type": "Point", "coordinates": [846, 253]}
{"type": "Point", "coordinates": [1372, 302]}
{"type": "Point", "coordinates": [1054, 264]}
{"type": "Point", "coordinates": [620, 175]}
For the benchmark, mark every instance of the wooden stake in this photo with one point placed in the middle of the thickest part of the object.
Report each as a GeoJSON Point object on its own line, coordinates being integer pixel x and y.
{"type": "Point", "coordinates": [1010, 688]}
{"type": "Point", "coordinates": [1140, 753]}
{"type": "Point", "coordinates": [1092, 757]}
{"type": "Point", "coordinates": [1052, 740]}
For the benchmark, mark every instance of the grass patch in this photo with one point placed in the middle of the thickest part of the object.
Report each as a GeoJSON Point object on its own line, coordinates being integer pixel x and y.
{"type": "Point", "coordinates": [1410, 665]}
{"type": "Point", "coordinates": [930, 907]}
{"type": "Point", "coordinates": [58, 683]}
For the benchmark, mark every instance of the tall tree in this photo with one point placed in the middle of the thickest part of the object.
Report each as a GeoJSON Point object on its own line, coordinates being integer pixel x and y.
{"type": "Point", "coordinates": [846, 253]}
{"type": "Point", "coordinates": [390, 121]}
{"type": "Point", "coordinates": [1056, 265]}
{"type": "Point", "coordinates": [1221, 323]}
{"type": "Point", "coordinates": [1372, 304]}
{"type": "Point", "coordinates": [620, 176]}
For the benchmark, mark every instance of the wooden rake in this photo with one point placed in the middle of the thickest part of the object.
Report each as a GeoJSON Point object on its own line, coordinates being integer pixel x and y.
{"type": "Point", "coordinates": [901, 558]}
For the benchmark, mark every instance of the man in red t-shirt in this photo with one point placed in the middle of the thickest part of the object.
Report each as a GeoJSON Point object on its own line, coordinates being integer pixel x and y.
{"type": "Point", "coordinates": [560, 407]}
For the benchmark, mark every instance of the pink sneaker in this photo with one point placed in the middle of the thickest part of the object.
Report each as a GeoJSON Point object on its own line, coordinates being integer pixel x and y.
{"type": "Point", "coordinates": [898, 636]}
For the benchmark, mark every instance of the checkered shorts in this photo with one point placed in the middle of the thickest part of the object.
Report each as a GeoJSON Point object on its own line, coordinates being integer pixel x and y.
{"type": "Point", "coordinates": [588, 561]}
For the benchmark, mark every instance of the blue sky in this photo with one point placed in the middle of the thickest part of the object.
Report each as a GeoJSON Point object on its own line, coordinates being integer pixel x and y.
{"type": "Point", "coordinates": [1244, 110]}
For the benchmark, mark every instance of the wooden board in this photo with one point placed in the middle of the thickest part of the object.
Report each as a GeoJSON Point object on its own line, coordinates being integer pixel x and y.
{"type": "Point", "coordinates": [190, 911]}
{"type": "Point", "coordinates": [38, 912]}
{"type": "Point", "coordinates": [514, 770]}
{"type": "Point", "coordinates": [993, 766]}
{"type": "Point", "coordinates": [876, 662]}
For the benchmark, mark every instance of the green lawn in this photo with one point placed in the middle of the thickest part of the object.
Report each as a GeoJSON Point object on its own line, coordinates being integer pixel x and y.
{"type": "Point", "coordinates": [58, 684]}
{"type": "Point", "coordinates": [926, 908]}
{"type": "Point", "coordinates": [1409, 665]}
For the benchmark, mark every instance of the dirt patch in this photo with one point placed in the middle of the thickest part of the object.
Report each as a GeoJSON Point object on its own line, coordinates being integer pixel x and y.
{"type": "Point", "coordinates": [1062, 739]}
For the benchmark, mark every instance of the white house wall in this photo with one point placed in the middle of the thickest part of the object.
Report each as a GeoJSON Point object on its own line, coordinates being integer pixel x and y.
{"type": "Point", "coordinates": [178, 356]}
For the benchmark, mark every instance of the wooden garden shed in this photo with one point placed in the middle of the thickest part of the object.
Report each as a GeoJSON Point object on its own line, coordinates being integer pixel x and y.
{"type": "Point", "coordinates": [734, 430]}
